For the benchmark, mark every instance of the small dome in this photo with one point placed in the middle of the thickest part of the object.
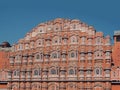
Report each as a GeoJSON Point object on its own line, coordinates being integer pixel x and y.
{"type": "Point", "coordinates": [5, 44]}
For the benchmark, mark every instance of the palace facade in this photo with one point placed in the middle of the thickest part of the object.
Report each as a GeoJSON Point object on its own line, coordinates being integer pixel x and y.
{"type": "Point", "coordinates": [61, 54]}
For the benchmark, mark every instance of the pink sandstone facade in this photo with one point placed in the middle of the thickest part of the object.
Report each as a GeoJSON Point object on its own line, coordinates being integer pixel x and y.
{"type": "Point", "coordinates": [61, 54]}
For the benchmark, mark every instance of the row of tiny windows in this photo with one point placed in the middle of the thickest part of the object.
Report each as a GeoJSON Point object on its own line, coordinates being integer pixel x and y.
{"type": "Point", "coordinates": [72, 54]}
{"type": "Point", "coordinates": [59, 28]}
{"type": "Point", "coordinates": [53, 71]}
{"type": "Point", "coordinates": [57, 40]}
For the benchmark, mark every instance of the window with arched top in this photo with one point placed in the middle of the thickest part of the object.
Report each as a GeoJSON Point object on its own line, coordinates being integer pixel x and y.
{"type": "Point", "coordinates": [107, 54]}
{"type": "Point", "coordinates": [83, 40]}
{"type": "Point", "coordinates": [57, 28]}
{"type": "Point", "coordinates": [32, 45]}
{"type": "Point", "coordinates": [107, 41]}
{"type": "Point", "coordinates": [56, 55]}
{"type": "Point", "coordinates": [98, 40]}
{"type": "Point", "coordinates": [98, 71]}
{"type": "Point", "coordinates": [71, 72]}
{"type": "Point", "coordinates": [74, 26]}
{"type": "Point", "coordinates": [56, 40]}
{"type": "Point", "coordinates": [36, 72]}
{"type": "Point", "coordinates": [41, 30]}
{"type": "Point", "coordinates": [72, 87]}
{"type": "Point", "coordinates": [89, 41]}
{"type": "Point", "coordinates": [73, 39]}
{"type": "Point", "coordinates": [16, 73]}
{"type": "Point", "coordinates": [53, 87]}
{"type": "Point", "coordinates": [73, 54]}
{"type": "Point", "coordinates": [39, 56]}
{"type": "Point", "coordinates": [98, 54]}
{"type": "Point", "coordinates": [26, 46]}
{"type": "Point", "coordinates": [39, 42]}
{"type": "Point", "coordinates": [107, 73]}
{"type": "Point", "coordinates": [98, 88]}
{"type": "Point", "coordinates": [20, 46]}
{"type": "Point", "coordinates": [15, 87]}
{"type": "Point", "coordinates": [53, 71]}
{"type": "Point", "coordinates": [36, 86]}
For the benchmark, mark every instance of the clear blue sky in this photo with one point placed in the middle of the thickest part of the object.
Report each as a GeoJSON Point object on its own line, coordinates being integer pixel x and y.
{"type": "Point", "coordinates": [17, 17]}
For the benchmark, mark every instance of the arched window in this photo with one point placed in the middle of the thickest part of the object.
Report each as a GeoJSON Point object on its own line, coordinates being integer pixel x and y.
{"type": "Point", "coordinates": [98, 53]}
{"type": "Point", "coordinates": [73, 54]}
{"type": "Point", "coordinates": [53, 71]}
{"type": "Point", "coordinates": [41, 56]}
{"type": "Point", "coordinates": [98, 40]}
{"type": "Point", "coordinates": [108, 42]}
{"type": "Point", "coordinates": [72, 86]}
{"type": "Point", "coordinates": [20, 46]}
{"type": "Point", "coordinates": [98, 88]}
{"type": "Point", "coordinates": [89, 41]}
{"type": "Point", "coordinates": [107, 53]}
{"type": "Point", "coordinates": [98, 71]}
{"type": "Point", "coordinates": [73, 39]}
{"type": "Point", "coordinates": [39, 42]}
{"type": "Point", "coordinates": [36, 72]}
{"type": "Point", "coordinates": [56, 40]}
{"type": "Point", "coordinates": [71, 72]}
{"type": "Point", "coordinates": [26, 46]}
{"type": "Point", "coordinates": [83, 40]}
{"type": "Point", "coordinates": [36, 86]}
{"type": "Point", "coordinates": [16, 73]}
{"type": "Point", "coordinates": [56, 55]}
{"type": "Point", "coordinates": [32, 44]}
{"type": "Point", "coordinates": [53, 87]}
{"type": "Point", "coordinates": [37, 56]}
{"type": "Point", "coordinates": [41, 30]}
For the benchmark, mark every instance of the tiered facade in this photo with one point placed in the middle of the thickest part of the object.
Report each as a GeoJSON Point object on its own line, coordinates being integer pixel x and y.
{"type": "Point", "coordinates": [61, 54]}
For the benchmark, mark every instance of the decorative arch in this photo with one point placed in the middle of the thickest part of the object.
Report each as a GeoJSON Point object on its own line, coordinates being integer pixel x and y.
{"type": "Point", "coordinates": [73, 39]}
{"type": "Point", "coordinates": [15, 87]}
{"type": "Point", "coordinates": [98, 87]}
{"type": "Point", "coordinates": [98, 71]}
{"type": "Point", "coordinates": [71, 71]}
{"type": "Point", "coordinates": [22, 85]}
{"type": "Point", "coordinates": [36, 86]}
{"type": "Point", "coordinates": [98, 53]}
{"type": "Point", "coordinates": [73, 54]}
{"type": "Point", "coordinates": [55, 54]}
{"type": "Point", "coordinates": [36, 71]}
{"type": "Point", "coordinates": [53, 86]}
{"type": "Point", "coordinates": [39, 42]}
{"type": "Point", "coordinates": [72, 86]}
{"type": "Point", "coordinates": [39, 56]}
{"type": "Point", "coordinates": [53, 71]}
{"type": "Point", "coordinates": [56, 40]}
{"type": "Point", "coordinates": [16, 72]}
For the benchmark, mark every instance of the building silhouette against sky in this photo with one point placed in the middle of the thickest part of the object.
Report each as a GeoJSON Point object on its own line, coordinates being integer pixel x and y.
{"type": "Point", "coordinates": [64, 54]}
